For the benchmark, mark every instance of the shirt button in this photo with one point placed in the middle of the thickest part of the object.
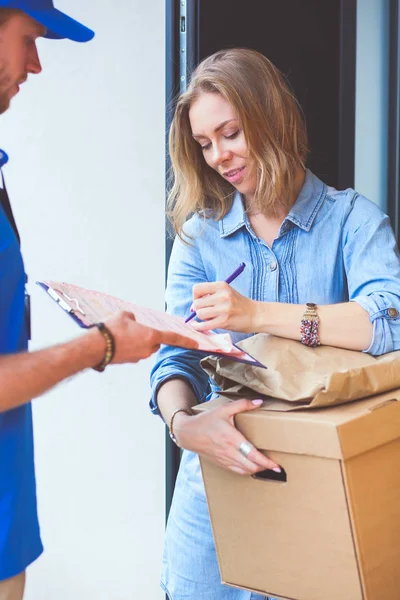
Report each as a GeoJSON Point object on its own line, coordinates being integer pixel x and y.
{"type": "Point", "coordinates": [273, 265]}
{"type": "Point", "coordinates": [393, 312]}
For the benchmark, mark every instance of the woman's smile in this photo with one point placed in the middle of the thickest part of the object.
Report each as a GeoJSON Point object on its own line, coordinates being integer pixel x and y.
{"type": "Point", "coordinates": [234, 175]}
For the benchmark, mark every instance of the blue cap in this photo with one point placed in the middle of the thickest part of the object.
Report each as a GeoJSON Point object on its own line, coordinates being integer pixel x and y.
{"type": "Point", "coordinates": [58, 25]}
{"type": "Point", "coordinates": [3, 158]}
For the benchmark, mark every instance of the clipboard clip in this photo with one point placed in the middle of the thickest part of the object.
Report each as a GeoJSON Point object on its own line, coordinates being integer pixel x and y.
{"type": "Point", "coordinates": [78, 308]}
{"type": "Point", "coordinates": [60, 301]}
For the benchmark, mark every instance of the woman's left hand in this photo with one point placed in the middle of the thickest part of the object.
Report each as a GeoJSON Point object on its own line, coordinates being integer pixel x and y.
{"type": "Point", "coordinates": [219, 306]}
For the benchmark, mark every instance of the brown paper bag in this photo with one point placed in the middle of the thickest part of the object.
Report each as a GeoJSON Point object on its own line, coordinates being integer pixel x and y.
{"type": "Point", "coordinates": [302, 377]}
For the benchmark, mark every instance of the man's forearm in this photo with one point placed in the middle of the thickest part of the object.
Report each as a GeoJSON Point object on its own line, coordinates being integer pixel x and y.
{"type": "Point", "coordinates": [29, 374]}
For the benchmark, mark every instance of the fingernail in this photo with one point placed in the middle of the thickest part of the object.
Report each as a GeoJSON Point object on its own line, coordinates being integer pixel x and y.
{"type": "Point", "coordinates": [257, 402]}
{"type": "Point", "coordinates": [277, 470]}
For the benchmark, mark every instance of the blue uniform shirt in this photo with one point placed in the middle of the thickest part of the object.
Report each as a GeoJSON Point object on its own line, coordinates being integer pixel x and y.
{"type": "Point", "coordinates": [334, 246]}
{"type": "Point", "coordinates": [20, 542]}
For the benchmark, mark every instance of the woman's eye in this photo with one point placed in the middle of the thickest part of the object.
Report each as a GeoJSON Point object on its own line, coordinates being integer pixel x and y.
{"type": "Point", "coordinates": [232, 135]}
{"type": "Point", "coordinates": [206, 147]}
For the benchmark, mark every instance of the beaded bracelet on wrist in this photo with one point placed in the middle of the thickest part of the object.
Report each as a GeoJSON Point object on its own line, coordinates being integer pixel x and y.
{"type": "Point", "coordinates": [110, 347]}
{"type": "Point", "coordinates": [309, 329]}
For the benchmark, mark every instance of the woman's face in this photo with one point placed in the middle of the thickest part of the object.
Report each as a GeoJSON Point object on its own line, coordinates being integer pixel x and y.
{"type": "Point", "coordinates": [216, 128]}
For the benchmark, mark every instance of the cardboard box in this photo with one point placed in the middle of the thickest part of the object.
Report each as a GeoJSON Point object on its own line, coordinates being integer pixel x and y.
{"type": "Point", "coordinates": [332, 530]}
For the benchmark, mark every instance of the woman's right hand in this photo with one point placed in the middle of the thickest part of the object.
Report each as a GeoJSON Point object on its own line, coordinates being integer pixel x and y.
{"type": "Point", "coordinates": [213, 435]}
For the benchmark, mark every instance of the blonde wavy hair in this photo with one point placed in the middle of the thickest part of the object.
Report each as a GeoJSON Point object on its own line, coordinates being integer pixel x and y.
{"type": "Point", "coordinates": [272, 123]}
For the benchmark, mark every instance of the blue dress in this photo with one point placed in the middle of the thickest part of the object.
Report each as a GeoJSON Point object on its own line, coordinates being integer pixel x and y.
{"type": "Point", "coordinates": [334, 246]}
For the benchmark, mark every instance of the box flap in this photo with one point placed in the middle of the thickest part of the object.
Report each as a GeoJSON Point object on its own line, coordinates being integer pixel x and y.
{"type": "Point", "coordinates": [338, 432]}
{"type": "Point", "coordinates": [381, 425]}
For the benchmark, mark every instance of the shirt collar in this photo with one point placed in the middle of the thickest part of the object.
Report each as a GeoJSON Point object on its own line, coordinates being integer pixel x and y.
{"type": "Point", "coordinates": [309, 201]}
{"type": "Point", "coordinates": [302, 213]}
{"type": "Point", "coordinates": [234, 219]}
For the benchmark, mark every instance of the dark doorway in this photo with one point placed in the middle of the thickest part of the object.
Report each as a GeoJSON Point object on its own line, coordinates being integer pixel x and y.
{"type": "Point", "coordinates": [303, 39]}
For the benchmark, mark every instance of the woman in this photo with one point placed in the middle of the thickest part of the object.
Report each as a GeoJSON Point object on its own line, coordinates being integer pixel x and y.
{"type": "Point", "coordinates": [238, 146]}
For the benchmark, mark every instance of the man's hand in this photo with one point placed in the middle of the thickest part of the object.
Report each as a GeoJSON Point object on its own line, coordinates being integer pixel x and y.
{"type": "Point", "coordinates": [133, 341]}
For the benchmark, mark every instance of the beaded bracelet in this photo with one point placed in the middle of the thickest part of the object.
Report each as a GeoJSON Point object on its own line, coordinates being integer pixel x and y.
{"type": "Point", "coordinates": [110, 347]}
{"type": "Point", "coordinates": [309, 326]}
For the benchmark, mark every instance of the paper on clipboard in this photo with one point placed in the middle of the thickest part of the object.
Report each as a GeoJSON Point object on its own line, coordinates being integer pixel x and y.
{"type": "Point", "coordinates": [88, 307]}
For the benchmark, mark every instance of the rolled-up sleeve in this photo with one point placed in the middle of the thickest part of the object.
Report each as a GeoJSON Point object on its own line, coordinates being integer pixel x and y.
{"type": "Point", "coordinates": [373, 273]}
{"type": "Point", "coordinates": [185, 269]}
{"type": "Point", "coordinates": [172, 363]}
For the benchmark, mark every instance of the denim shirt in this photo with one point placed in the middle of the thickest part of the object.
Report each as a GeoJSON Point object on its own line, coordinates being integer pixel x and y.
{"type": "Point", "coordinates": [333, 246]}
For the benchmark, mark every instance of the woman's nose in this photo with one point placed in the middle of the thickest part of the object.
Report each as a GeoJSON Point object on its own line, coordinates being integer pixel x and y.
{"type": "Point", "coordinates": [221, 155]}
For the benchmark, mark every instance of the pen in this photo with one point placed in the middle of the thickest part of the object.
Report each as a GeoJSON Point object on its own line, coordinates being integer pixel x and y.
{"type": "Point", "coordinates": [229, 279]}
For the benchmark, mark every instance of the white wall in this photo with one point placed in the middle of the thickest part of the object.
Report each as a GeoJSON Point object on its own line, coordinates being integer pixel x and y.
{"type": "Point", "coordinates": [86, 178]}
{"type": "Point", "coordinates": [372, 99]}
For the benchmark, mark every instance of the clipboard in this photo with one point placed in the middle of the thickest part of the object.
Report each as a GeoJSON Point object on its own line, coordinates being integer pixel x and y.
{"type": "Point", "coordinates": [87, 307]}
